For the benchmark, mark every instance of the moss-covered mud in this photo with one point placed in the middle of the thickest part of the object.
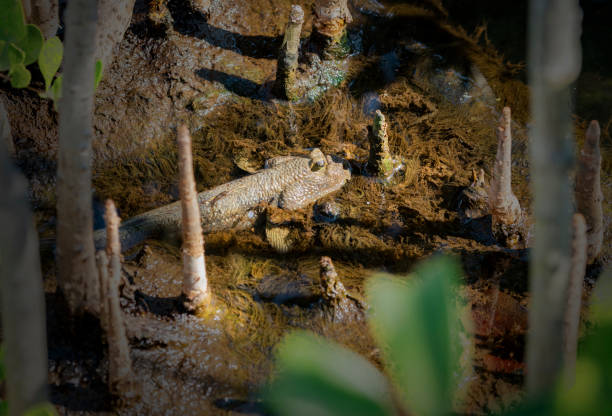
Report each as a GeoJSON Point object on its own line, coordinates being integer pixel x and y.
{"type": "Point", "coordinates": [441, 90]}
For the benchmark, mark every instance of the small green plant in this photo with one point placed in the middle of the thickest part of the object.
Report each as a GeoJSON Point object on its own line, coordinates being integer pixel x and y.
{"type": "Point", "coordinates": [416, 323]}
{"type": "Point", "coordinates": [22, 45]}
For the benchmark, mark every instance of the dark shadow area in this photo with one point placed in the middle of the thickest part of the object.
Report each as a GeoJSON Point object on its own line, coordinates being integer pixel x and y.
{"type": "Point", "coordinates": [167, 307]}
{"type": "Point", "coordinates": [517, 379]}
{"type": "Point", "coordinates": [93, 398]}
{"type": "Point", "coordinates": [251, 407]}
{"type": "Point", "coordinates": [75, 355]}
{"type": "Point", "coordinates": [237, 85]}
{"type": "Point", "coordinates": [191, 22]}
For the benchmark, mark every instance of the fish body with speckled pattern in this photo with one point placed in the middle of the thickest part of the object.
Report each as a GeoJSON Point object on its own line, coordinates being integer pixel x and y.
{"type": "Point", "coordinates": [289, 182]}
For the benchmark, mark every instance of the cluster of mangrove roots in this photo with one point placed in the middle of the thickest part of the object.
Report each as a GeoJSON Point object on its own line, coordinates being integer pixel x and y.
{"type": "Point", "coordinates": [330, 20]}
{"type": "Point", "coordinates": [195, 290]}
{"type": "Point", "coordinates": [120, 378]}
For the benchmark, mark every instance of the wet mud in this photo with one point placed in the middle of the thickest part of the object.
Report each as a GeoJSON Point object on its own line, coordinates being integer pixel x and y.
{"type": "Point", "coordinates": [441, 81]}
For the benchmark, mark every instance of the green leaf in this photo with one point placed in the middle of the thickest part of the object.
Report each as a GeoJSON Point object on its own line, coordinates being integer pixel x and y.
{"type": "Point", "coordinates": [56, 88]}
{"type": "Point", "coordinates": [12, 22]}
{"type": "Point", "coordinates": [98, 75]}
{"type": "Point", "coordinates": [318, 377]}
{"type": "Point", "coordinates": [31, 44]}
{"type": "Point", "coordinates": [50, 59]}
{"type": "Point", "coordinates": [54, 92]}
{"type": "Point", "coordinates": [417, 324]}
{"type": "Point", "coordinates": [15, 54]}
{"type": "Point", "coordinates": [20, 76]}
{"type": "Point", "coordinates": [4, 62]}
{"type": "Point", "coordinates": [42, 409]}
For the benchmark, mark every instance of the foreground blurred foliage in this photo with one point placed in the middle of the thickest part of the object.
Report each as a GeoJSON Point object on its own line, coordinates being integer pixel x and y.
{"type": "Point", "coordinates": [23, 44]}
{"type": "Point", "coordinates": [42, 409]}
{"type": "Point", "coordinates": [417, 324]}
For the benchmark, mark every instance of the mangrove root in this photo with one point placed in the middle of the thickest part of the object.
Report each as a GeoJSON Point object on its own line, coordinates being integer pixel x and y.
{"type": "Point", "coordinates": [286, 71]}
{"type": "Point", "coordinates": [507, 216]}
{"type": "Point", "coordinates": [109, 263]}
{"type": "Point", "coordinates": [588, 190]}
{"type": "Point", "coordinates": [331, 18]}
{"type": "Point", "coordinates": [380, 162]}
{"type": "Point", "coordinates": [571, 322]}
{"type": "Point", "coordinates": [194, 268]}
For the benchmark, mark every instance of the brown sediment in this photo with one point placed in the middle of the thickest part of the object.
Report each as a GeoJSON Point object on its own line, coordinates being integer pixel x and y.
{"type": "Point", "coordinates": [589, 197]}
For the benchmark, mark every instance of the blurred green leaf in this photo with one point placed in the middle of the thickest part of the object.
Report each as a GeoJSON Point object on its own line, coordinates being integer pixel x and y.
{"type": "Point", "coordinates": [54, 92]}
{"type": "Point", "coordinates": [318, 377]}
{"type": "Point", "coordinates": [4, 62]}
{"type": "Point", "coordinates": [601, 299]}
{"type": "Point", "coordinates": [31, 44]}
{"type": "Point", "coordinates": [50, 59]}
{"type": "Point", "coordinates": [3, 408]}
{"type": "Point", "coordinates": [15, 54]}
{"type": "Point", "coordinates": [417, 323]}
{"type": "Point", "coordinates": [20, 76]}
{"type": "Point", "coordinates": [42, 409]}
{"type": "Point", "coordinates": [12, 22]}
{"type": "Point", "coordinates": [56, 88]}
{"type": "Point", "coordinates": [98, 74]}
{"type": "Point", "coordinates": [590, 394]}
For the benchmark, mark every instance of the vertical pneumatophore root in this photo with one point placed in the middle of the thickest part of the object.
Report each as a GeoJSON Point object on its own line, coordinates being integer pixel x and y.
{"type": "Point", "coordinates": [588, 190]}
{"type": "Point", "coordinates": [332, 289]}
{"type": "Point", "coordinates": [286, 70]}
{"type": "Point", "coordinates": [331, 18]}
{"type": "Point", "coordinates": [380, 162]}
{"type": "Point", "coordinates": [195, 287]}
{"type": "Point", "coordinates": [120, 364]}
{"type": "Point", "coordinates": [504, 206]}
{"type": "Point", "coordinates": [571, 322]}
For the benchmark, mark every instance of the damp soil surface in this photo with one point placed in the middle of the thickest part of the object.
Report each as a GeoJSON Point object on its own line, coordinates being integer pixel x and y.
{"type": "Point", "coordinates": [441, 77]}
